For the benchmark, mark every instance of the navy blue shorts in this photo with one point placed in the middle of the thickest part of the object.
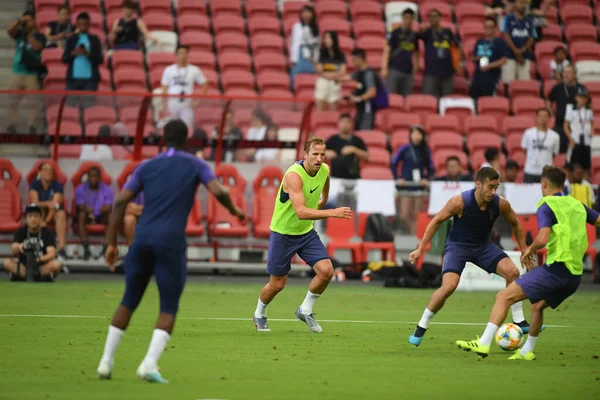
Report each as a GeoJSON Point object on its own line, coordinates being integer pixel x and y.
{"type": "Point", "coordinates": [283, 247]}
{"type": "Point", "coordinates": [169, 267]}
{"type": "Point", "coordinates": [486, 256]}
{"type": "Point", "coordinates": [551, 283]}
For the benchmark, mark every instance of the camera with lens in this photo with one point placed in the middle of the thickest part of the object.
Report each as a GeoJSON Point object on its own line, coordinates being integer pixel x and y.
{"type": "Point", "coordinates": [32, 267]}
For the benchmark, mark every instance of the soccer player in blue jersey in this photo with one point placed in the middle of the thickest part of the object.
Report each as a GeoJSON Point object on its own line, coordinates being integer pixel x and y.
{"type": "Point", "coordinates": [474, 212]}
{"type": "Point", "coordinates": [562, 230]}
{"type": "Point", "coordinates": [170, 182]}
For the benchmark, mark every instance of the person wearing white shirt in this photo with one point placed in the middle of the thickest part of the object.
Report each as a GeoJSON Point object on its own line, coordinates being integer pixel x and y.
{"type": "Point", "coordinates": [540, 144]}
{"type": "Point", "coordinates": [97, 152]}
{"type": "Point", "coordinates": [304, 44]}
{"type": "Point", "coordinates": [179, 79]}
{"type": "Point", "coordinates": [257, 132]}
{"type": "Point", "coordinates": [579, 127]}
{"type": "Point", "coordinates": [272, 154]}
{"type": "Point", "coordinates": [559, 63]}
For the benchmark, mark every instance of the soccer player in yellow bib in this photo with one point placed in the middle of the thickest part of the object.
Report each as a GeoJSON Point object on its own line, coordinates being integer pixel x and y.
{"type": "Point", "coordinates": [304, 190]}
{"type": "Point", "coordinates": [561, 223]}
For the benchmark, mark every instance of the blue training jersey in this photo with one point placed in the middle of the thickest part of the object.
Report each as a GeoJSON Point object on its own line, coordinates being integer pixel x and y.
{"type": "Point", "coordinates": [169, 181]}
{"type": "Point", "coordinates": [474, 225]}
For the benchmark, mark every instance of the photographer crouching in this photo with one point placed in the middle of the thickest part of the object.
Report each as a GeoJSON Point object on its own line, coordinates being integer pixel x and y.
{"type": "Point", "coordinates": [34, 247]}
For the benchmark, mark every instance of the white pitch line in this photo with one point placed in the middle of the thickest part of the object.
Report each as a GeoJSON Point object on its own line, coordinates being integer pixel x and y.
{"type": "Point", "coordinates": [341, 321]}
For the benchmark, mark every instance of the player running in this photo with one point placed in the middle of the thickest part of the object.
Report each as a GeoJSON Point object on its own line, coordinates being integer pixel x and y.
{"type": "Point", "coordinates": [562, 230]}
{"type": "Point", "coordinates": [474, 212]}
{"type": "Point", "coordinates": [303, 191]}
{"type": "Point", "coordinates": [170, 182]}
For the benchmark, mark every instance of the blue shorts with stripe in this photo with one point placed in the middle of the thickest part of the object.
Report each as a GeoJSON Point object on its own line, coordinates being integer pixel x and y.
{"type": "Point", "coordinates": [282, 249]}
{"type": "Point", "coordinates": [551, 283]}
{"type": "Point", "coordinates": [485, 255]}
{"type": "Point", "coordinates": [168, 266]}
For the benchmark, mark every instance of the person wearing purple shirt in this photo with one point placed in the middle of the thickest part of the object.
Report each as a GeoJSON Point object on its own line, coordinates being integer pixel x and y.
{"type": "Point", "coordinates": [169, 182]}
{"type": "Point", "coordinates": [132, 214]}
{"type": "Point", "coordinates": [94, 202]}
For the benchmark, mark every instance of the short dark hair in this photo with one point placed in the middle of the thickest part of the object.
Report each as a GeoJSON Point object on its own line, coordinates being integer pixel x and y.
{"type": "Point", "coordinates": [83, 16]}
{"type": "Point", "coordinates": [572, 166]}
{"type": "Point", "coordinates": [63, 7]}
{"type": "Point", "coordinates": [555, 175]}
{"type": "Point", "coordinates": [486, 173]}
{"type": "Point", "coordinates": [491, 153]}
{"type": "Point", "coordinates": [358, 52]}
{"type": "Point", "coordinates": [512, 164]}
{"type": "Point", "coordinates": [29, 14]}
{"type": "Point", "coordinates": [344, 116]}
{"type": "Point", "coordinates": [182, 46]}
{"type": "Point", "coordinates": [434, 10]}
{"type": "Point", "coordinates": [452, 158]}
{"type": "Point", "coordinates": [129, 4]}
{"type": "Point", "coordinates": [491, 19]}
{"type": "Point", "coordinates": [44, 164]}
{"type": "Point", "coordinates": [559, 48]}
{"type": "Point", "coordinates": [408, 11]}
{"type": "Point", "coordinates": [543, 109]}
{"type": "Point", "coordinates": [94, 169]}
{"type": "Point", "coordinates": [175, 133]}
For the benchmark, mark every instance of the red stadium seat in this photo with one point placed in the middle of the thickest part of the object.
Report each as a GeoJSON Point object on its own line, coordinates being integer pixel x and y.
{"type": "Point", "coordinates": [545, 49]}
{"type": "Point", "coordinates": [552, 32]}
{"type": "Point", "coordinates": [436, 123]}
{"type": "Point", "coordinates": [159, 21]}
{"type": "Point", "coordinates": [52, 56]}
{"type": "Point", "coordinates": [47, 5]}
{"type": "Point", "coordinates": [497, 107]}
{"type": "Point", "coordinates": [376, 173]}
{"type": "Point", "coordinates": [440, 157]}
{"type": "Point", "coordinates": [446, 140]}
{"type": "Point", "coordinates": [378, 157]}
{"type": "Point", "coordinates": [261, 8]}
{"type": "Point", "coordinates": [59, 175]}
{"type": "Point", "coordinates": [305, 82]}
{"type": "Point", "coordinates": [70, 114]}
{"type": "Point", "coordinates": [10, 207]}
{"type": "Point", "coordinates": [234, 41]}
{"type": "Point", "coordinates": [266, 42]}
{"type": "Point", "coordinates": [518, 88]}
{"type": "Point", "coordinates": [265, 62]}
{"type": "Point", "coordinates": [102, 114]}
{"type": "Point", "coordinates": [263, 24]}
{"type": "Point", "coordinates": [292, 8]}
{"type": "Point", "coordinates": [371, 44]}
{"type": "Point", "coordinates": [443, 8]}
{"type": "Point", "coordinates": [234, 79]}
{"type": "Point", "coordinates": [191, 7]}
{"type": "Point", "coordinates": [286, 118]}
{"type": "Point", "coordinates": [67, 128]}
{"type": "Point", "coordinates": [194, 226]}
{"type": "Point", "coordinates": [225, 7]}
{"type": "Point", "coordinates": [388, 251]}
{"type": "Point", "coordinates": [268, 80]}
{"type": "Point", "coordinates": [581, 33]}
{"type": "Point", "coordinates": [482, 141]}
{"type": "Point", "coordinates": [221, 223]}
{"type": "Point", "coordinates": [80, 174]}
{"type": "Point", "coordinates": [126, 172]}
{"type": "Point", "coordinates": [481, 123]}
{"type": "Point", "coordinates": [341, 26]}
{"type": "Point", "coordinates": [228, 23]}
{"type": "Point", "coordinates": [396, 102]}
{"type": "Point", "coordinates": [346, 43]}
{"type": "Point", "coordinates": [469, 12]}
{"type": "Point", "coordinates": [517, 125]}
{"type": "Point", "coordinates": [265, 186]}
{"type": "Point", "coordinates": [365, 11]}
{"type": "Point", "coordinates": [402, 121]}
{"type": "Point", "coordinates": [8, 172]}
{"type": "Point", "coordinates": [340, 231]}
{"type": "Point", "coordinates": [576, 14]}
{"type": "Point", "coordinates": [512, 143]}
{"type": "Point", "coordinates": [421, 104]}
{"type": "Point", "coordinates": [581, 51]}
{"type": "Point", "coordinates": [149, 6]}
{"type": "Point", "coordinates": [128, 76]}
{"type": "Point", "coordinates": [205, 60]}
{"type": "Point", "coordinates": [233, 60]}
{"type": "Point", "coordinates": [374, 28]}
{"type": "Point", "coordinates": [325, 119]}
{"type": "Point", "coordinates": [373, 138]}
{"type": "Point", "coordinates": [331, 9]}
{"type": "Point", "coordinates": [398, 138]}
{"type": "Point", "coordinates": [193, 23]}
{"type": "Point", "coordinates": [127, 58]}
{"type": "Point", "coordinates": [527, 105]}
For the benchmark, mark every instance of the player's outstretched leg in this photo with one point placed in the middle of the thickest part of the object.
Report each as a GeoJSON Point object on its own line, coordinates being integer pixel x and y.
{"type": "Point", "coordinates": [504, 299]}
{"type": "Point", "coordinates": [537, 319]}
{"type": "Point", "coordinates": [507, 269]}
{"type": "Point", "coordinates": [436, 302]}
{"type": "Point", "coordinates": [324, 272]}
{"type": "Point", "coordinates": [267, 294]}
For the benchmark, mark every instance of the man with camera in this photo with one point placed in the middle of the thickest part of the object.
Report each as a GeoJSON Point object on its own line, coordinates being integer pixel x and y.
{"type": "Point", "coordinates": [34, 246]}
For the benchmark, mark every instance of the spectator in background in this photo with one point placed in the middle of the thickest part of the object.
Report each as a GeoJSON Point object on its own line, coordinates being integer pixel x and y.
{"type": "Point", "coordinates": [331, 68]}
{"type": "Point", "coordinates": [579, 127]}
{"type": "Point", "coordinates": [125, 32]}
{"type": "Point", "coordinates": [563, 95]}
{"type": "Point", "coordinates": [519, 35]}
{"type": "Point", "coordinates": [417, 168]}
{"type": "Point", "coordinates": [179, 79]}
{"type": "Point", "coordinates": [536, 9]}
{"type": "Point", "coordinates": [57, 32]}
{"type": "Point", "coordinates": [271, 154]}
{"type": "Point", "coordinates": [454, 172]}
{"type": "Point", "coordinates": [97, 152]}
{"type": "Point", "coordinates": [578, 187]}
{"type": "Point", "coordinates": [133, 212]}
{"type": "Point", "coordinates": [94, 200]}
{"type": "Point", "coordinates": [366, 89]}
{"type": "Point", "coordinates": [561, 60]}
{"type": "Point", "coordinates": [511, 173]}
{"type": "Point", "coordinates": [492, 159]}
{"type": "Point", "coordinates": [83, 54]}
{"type": "Point", "coordinates": [48, 193]}
{"type": "Point", "coordinates": [304, 44]}
{"type": "Point", "coordinates": [26, 68]}
{"type": "Point", "coordinates": [231, 134]}
{"type": "Point", "coordinates": [345, 151]}
{"type": "Point", "coordinates": [257, 131]}
{"type": "Point", "coordinates": [400, 61]}
{"type": "Point", "coordinates": [489, 55]}
{"type": "Point", "coordinates": [440, 55]}
{"type": "Point", "coordinates": [33, 236]}
{"type": "Point", "coordinates": [541, 144]}
{"type": "Point", "coordinates": [498, 8]}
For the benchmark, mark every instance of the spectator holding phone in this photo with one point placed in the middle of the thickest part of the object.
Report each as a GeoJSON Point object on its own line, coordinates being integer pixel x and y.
{"type": "Point", "coordinates": [83, 55]}
{"type": "Point", "coordinates": [57, 32]}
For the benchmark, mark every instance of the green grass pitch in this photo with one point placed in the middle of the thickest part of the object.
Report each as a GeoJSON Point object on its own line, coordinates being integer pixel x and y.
{"type": "Point", "coordinates": [44, 355]}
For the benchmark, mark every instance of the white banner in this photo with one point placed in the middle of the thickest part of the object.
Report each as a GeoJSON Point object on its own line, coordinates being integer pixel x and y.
{"type": "Point", "coordinates": [523, 197]}
{"type": "Point", "coordinates": [374, 196]}
{"type": "Point", "coordinates": [441, 192]}
{"type": "Point", "coordinates": [474, 278]}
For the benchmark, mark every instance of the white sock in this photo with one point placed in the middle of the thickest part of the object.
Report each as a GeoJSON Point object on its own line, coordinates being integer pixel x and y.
{"type": "Point", "coordinates": [529, 344]}
{"type": "Point", "coordinates": [261, 309]}
{"type": "Point", "coordinates": [488, 334]}
{"type": "Point", "coordinates": [309, 301]}
{"type": "Point", "coordinates": [158, 343]}
{"type": "Point", "coordinates": [517, 312]}
{"type": "Point", "coordinates": [112, 342]}
{"type": "Point", "coordinates": [426, 318]}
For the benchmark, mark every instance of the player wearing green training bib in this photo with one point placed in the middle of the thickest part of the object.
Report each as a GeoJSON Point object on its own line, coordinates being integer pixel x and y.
{"type": "Point", "coordinates": [562, 230]}
{"type": "Point", "coordinates": [304, 190]}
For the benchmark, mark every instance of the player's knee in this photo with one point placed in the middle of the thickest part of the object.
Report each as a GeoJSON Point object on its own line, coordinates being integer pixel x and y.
{"type": "Point", "coordinates": [129, 220]}
{"type": "Point", "coordinates": [324, 269]}
{"type": "Point", "coordinates": [512, 274]}
{"type": "Point", "coordinates": [502, 296]}
{"type": "Point", "coordinates": [278, 285]}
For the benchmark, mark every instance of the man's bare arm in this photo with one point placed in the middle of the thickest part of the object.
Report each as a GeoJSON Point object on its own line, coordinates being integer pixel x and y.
{"type": "Point", "coordinates": [324, 194]}
{"type": "Point", "coordinates": [453, 207]}
{"type": "Point", "coordinates": [293, 184]}
{"type": "Point", "coordinates": [221, 193]}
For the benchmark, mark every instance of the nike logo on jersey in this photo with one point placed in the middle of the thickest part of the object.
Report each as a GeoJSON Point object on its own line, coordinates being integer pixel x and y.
{"type": "Point", "coordinates": [311, 192]}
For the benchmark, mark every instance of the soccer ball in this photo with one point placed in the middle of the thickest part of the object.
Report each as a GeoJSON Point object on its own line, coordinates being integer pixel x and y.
{"type": "Point", "coordinates": [509, 337]}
